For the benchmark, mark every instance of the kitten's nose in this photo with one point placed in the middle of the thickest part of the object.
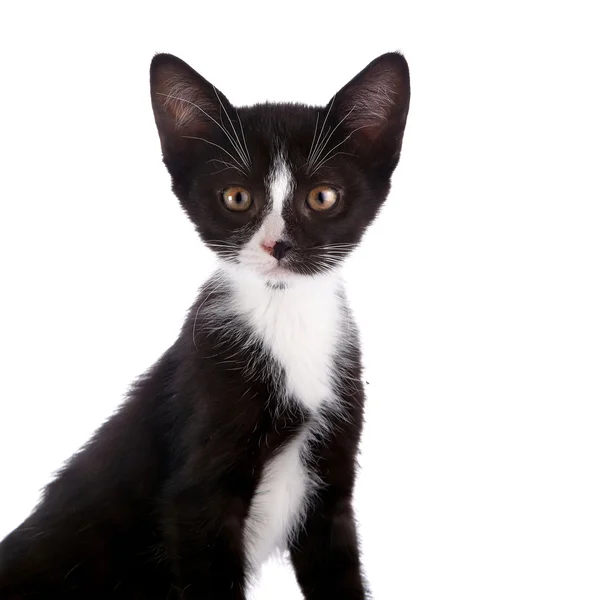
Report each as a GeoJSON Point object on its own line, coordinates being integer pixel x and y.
{"type": "Point", "coordinates": [280, 249]}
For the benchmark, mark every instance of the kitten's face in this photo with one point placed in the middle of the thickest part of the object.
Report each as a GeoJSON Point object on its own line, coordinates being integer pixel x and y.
{"type": "Point", "coordinates": [284, 190]}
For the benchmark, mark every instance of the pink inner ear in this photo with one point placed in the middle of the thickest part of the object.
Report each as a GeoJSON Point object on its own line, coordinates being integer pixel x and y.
{"type": "Point", "coordinates": [181, 101]}
{"type": "Point", "coordinates": [184, 104]}
{"type": "Point", "coordinates": [373, 101]}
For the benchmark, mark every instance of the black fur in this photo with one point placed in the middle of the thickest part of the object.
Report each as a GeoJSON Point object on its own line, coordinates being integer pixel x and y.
{"type": "Point", "coordinates": [154, 505]}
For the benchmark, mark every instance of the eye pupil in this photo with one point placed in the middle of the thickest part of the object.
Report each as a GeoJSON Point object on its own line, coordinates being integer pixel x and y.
{"type": "Point", "coordinates": [236, 198]}
{"type": "Point", "coordinates": [322, 198]}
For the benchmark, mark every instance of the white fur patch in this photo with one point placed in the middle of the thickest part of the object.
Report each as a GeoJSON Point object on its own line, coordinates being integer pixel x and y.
{"type": "Point", "coordinates": [302, 327]}
{"type": "Point", "coordinates": [280, 183]}
{"type": "Point", "coordinates": [278, 503]}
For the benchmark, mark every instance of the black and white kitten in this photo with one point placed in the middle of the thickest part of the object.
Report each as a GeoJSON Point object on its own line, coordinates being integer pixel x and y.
{"type": "Point", "coordinates": [242, 438]}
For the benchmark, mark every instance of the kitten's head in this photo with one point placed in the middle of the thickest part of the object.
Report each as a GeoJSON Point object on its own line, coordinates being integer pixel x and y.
{"type": "Point", "coordinates": [283, 190]}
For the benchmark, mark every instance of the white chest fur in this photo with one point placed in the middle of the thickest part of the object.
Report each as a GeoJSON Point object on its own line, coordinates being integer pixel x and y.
{"type": "Point", "coordinates": [301, 327]}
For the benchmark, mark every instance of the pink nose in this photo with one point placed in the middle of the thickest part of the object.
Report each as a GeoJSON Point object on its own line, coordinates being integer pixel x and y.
{"type": "Point", "coordinates": [268, 246]}
{"type": "Point", "coordinates": [277, 249]}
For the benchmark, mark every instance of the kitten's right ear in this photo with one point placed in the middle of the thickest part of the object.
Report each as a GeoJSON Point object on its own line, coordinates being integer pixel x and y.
{"type": "Point", "coordinates": [185, 104]}
{"type": "Point", "coordinates": [374, 106]}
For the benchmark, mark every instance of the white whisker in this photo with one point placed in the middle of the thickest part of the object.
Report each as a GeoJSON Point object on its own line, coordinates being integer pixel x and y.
{"type": "Point", "coordinates": [243, 136]}
{"type": "Point", "coordinates": [192, 137]}
{"type": "Point", "coordinates": [224, 162]}
{"type": "Point", "coordinates": [239, 149]}
{"type": "Point", "coordinates": [336, 146]}
{"type": "Point", "coordinates": [323, 126]}
{"type": "Point", "coordinates": [205, 113]}
{"type": "Point", "coordinates": [324, 145]}
{"type": "Point", "coordinates": [319, 149]}
{"type": "Point", "coordinates": [314, 136]}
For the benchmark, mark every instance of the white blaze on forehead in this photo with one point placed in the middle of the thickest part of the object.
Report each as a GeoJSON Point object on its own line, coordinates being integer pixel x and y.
{"type": "Point", "coordinates": [280, 183]}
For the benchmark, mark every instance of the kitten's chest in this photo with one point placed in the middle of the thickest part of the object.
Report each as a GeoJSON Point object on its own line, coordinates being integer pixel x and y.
{"type": "Point", "coordinates": [301, 330]}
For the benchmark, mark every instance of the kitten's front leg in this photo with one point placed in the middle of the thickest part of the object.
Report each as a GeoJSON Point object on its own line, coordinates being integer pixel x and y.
{"type": "Point", "coordinates": [325, 554]}
{"type": "Point", "coordinates": [204, 535]}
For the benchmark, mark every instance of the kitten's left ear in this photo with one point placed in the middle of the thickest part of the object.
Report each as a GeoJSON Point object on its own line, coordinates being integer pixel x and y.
{"type": "Point", "coordinates": [185, 104]}
{"type": "Point", "coordinates": [374, 107]}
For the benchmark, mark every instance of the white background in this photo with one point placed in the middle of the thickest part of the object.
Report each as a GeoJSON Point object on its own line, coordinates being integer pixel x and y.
{"type": "Point", "coordinates": [477, 291]}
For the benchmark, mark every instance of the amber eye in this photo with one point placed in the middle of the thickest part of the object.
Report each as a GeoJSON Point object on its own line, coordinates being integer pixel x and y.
{"type": "Point", "coordinates": [237, 198]}
{"type": "Point", "coordinates": [322, 198]}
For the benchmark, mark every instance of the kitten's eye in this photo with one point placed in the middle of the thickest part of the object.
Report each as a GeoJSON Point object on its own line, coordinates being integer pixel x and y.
{"type": "Point", "coordinates": [237, 198]}
{"type": "Point", "coordinates": [322, 198]}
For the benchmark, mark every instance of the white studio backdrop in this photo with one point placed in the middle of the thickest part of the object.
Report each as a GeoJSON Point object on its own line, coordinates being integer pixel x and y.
{"type": "Point", "coordinates": [477, 290]}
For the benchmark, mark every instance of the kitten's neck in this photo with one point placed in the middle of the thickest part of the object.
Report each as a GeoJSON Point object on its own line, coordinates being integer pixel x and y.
{"type": "Point", "coordinates": [250, 287]}
{"type": "Point", "coordinates": [303, 325]}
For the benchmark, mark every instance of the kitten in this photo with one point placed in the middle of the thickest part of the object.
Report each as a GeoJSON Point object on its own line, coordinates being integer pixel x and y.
{"type": "Point", "coordinates": [242, 438]}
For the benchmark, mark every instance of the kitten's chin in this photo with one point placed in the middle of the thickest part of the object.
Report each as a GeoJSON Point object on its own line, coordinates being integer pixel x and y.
{"type": "Point", "coordinates": [276, 272]}
{"type": "Point", "coordinates": [270, 269]}
{"type": "Point", "coordinates": [274, 275]}
{"type": "Point", "coordinates": [277, 277]}
{"type": "Point", "coordinates": [284, 274]}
